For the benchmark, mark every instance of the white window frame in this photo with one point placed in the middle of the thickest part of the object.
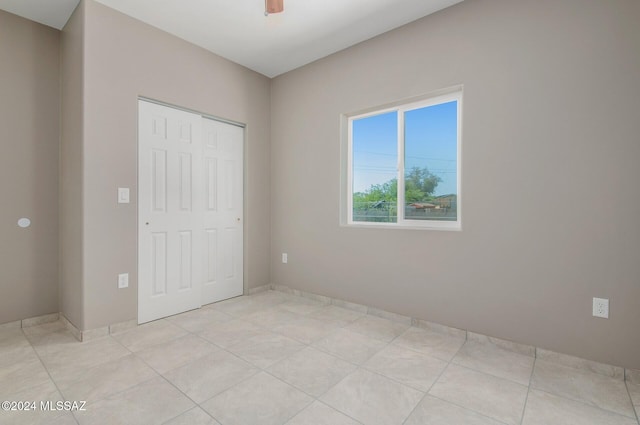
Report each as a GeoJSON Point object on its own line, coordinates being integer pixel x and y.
{"type": "Point", "coordinates": [444, 96]}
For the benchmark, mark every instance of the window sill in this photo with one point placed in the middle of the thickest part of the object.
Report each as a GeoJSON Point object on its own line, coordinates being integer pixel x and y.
{"type": "Point", "coordinates": [453, 226]}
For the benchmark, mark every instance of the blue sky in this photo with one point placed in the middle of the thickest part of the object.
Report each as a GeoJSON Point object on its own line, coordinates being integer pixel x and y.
{"type": "Point", "coordinates": [430, 141]}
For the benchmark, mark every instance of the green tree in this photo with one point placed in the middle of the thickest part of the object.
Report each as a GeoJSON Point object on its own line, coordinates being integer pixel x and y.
{"type": "Point", "coordinates": [386, 192]}
{"type": "Point", "coordinates": [420, 184]}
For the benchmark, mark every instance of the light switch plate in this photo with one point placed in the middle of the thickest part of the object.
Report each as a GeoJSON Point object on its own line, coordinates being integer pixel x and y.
{"type": "Point", "coordinates": [123, 280]}
{"type": "Point", "coordinates": [123, 195]}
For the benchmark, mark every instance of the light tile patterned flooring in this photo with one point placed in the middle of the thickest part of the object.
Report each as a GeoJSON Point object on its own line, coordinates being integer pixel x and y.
{"type": "Point", "coordinates": [273, 358]}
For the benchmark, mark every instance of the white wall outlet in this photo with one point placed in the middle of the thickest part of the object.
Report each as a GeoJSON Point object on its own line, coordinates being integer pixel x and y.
{"type": "Point", "coordinates": [284, 257]}
{"type": "Point", "coordinates": [601, 307]}
{"type": "Point", "coordinates": [123, 195]}
{"type": "Point", "coordinates": [123, 280]}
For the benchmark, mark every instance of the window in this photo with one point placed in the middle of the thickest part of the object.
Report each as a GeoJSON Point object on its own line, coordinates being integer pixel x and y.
{"type": "Point", "coordinates": [403, 164]}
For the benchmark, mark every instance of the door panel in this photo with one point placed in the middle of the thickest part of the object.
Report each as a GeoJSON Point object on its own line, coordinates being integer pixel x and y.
{"type": "Point", "coordinates": [186, 260]}
{"type": "Point", "coordinates": [223, 215]}
{"type": "Point", "coordinates": [159, 263]}
{"type": "Point", "coordinates": [211, 166]}
{"type": "Point", "coordinates": [185, 182]}
{"type": "Point", "coordinates": [212, 256]}
{"type": "Point", "coordinates": [170, 227]}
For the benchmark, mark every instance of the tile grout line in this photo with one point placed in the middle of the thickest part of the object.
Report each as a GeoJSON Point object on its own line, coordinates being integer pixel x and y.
{"type": "Point", "coordinates": [633, 406]}
{"type": "Point", "coordinates": [488, 374]}
{"type": "Point", "coordinates": [186, 396]}
{"type": "Point", "coordinates": [49, 374]}
{"type": "Point", "coordinates": [526, 399]}
{"type": "Point", "coordinates": [434, 381]}
{"type": "Point", "coordinates": [197, 406]}
{"type": "Point", "coordinates": [417, 404]}
{"type": "Point", "coordinates": [387, 344]}
{"type": "Point", "coordinates": [426, 393]}
{"type": "Point", "coordinates": [362, 366]}
{"type": "Point", "coordinates": [593, 406]}
{"type": "Point", "coordinates": [246, 379]}
{"type": "Point", "coordinates": [166, 380]}
{"type": "Point", "coordinates": [260, 369]}
{"type": "Point", "coordinates": [335, 385]}
{"type": "Point", "coordinates": [449, 363]}
{"type": "Point", "coordinates": [313, 398]}
{"type": "Point", "coordinates": [333, 408]}
{"type": "Point", "coordinates": [310, 345]}
{"type": "Point", "coordinates": [583, 402]}
{"type": "Point", "coordinates": [469, 410]}
{"type": "Point", "coordinates": [132, 354]}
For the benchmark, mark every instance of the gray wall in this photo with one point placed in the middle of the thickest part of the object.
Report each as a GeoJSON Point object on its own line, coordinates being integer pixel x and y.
{"type": "Point", "coordinates": [549, 163]}
{"type": "Point", "coordinates": [71, 167]}
{"type": "Point", "coordinates": [29, 133]}
{"type": "Point", "coordinates": [124, 59]}
{"type": "Point", "coordinates": [550, 174]}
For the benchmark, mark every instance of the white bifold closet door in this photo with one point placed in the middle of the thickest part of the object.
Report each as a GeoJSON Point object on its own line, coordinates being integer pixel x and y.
{"type": "Point", "coordinates": [223, 210]}
{"type": "Point", "coordinates": [190, 195]}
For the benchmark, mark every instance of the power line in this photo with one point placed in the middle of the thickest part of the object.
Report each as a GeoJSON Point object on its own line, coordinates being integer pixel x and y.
{"type": "Point", "coordinates": [395, 170]}
{"type": "Point", "coordinates": [406, 156]}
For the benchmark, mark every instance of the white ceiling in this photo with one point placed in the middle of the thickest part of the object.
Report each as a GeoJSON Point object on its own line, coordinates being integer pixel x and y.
{"type": "Point", "coordinates": [53, 13]}
{"type": "Point", "coordinates": [238, 30]}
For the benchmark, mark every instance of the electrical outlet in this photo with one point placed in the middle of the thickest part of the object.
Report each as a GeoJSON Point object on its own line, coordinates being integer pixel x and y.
{"type": "Point", "coordinates": [123, 280]}
{"type": "Point", "coordinates": [284, 257]}
{"type": "Point", "coordinates": [601, 308]}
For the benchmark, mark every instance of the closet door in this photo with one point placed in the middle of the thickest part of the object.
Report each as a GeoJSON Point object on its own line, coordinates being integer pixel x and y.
{"type": "Point", "coordinates": [170, 211]}
{"type": "Point", "coordinates": [223, 211]}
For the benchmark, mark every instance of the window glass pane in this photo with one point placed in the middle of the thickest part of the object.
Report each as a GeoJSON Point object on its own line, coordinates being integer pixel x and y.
{"type": "Point", "coordinates": [430, 149]}
{"type": "Point", "coordinates": [375, 161]}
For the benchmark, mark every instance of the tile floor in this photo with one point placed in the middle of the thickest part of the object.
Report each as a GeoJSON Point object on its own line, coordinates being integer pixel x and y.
{"type": "Point", "coordinates": [273, 358]}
